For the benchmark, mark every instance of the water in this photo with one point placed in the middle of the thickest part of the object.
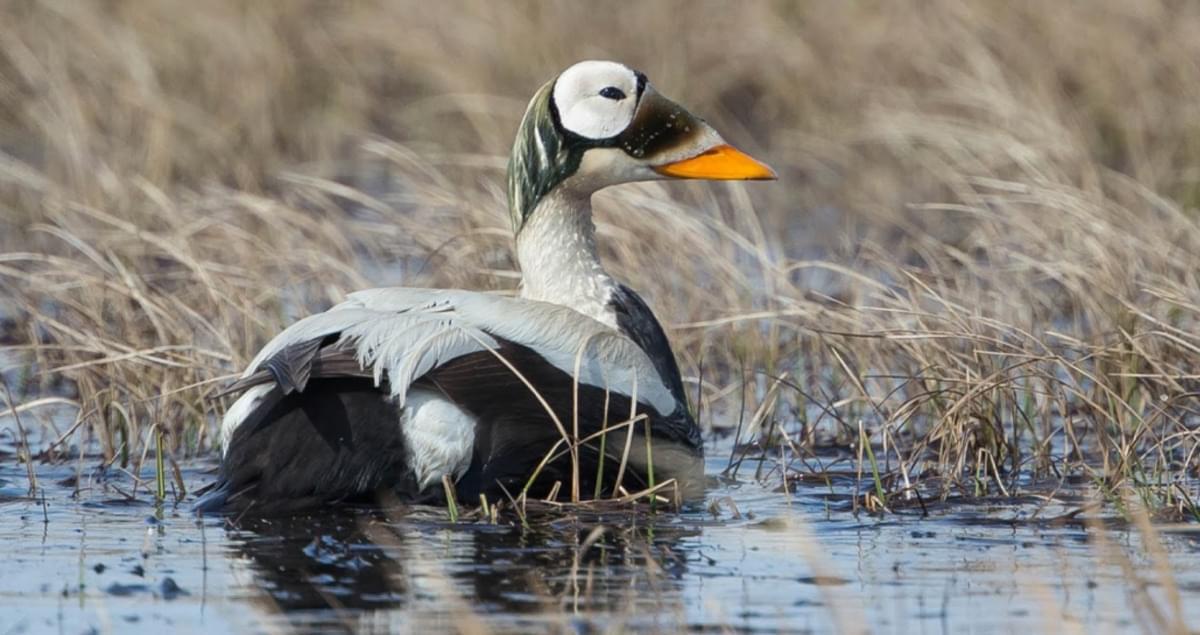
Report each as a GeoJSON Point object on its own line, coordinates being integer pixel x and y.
{"type": "Point", "coordinates": [102, 561]}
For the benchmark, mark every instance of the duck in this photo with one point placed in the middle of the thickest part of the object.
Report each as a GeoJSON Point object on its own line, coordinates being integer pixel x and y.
{"type": "Point", "coordinates": [423, 394]}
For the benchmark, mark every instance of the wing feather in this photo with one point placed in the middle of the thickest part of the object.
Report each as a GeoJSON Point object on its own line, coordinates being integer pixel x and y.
{"type": "Point", "coordinates": [398, 335]}
{"type": "Point", "coordinates": [292, 367]}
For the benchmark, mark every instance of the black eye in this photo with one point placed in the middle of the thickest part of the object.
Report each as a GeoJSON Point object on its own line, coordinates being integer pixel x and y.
{"type": "Point", "coordinates": [613, 93]}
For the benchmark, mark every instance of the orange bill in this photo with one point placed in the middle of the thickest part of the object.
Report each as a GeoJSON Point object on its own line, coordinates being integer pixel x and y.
{"type": "Point", "coordinates": [723, 162]}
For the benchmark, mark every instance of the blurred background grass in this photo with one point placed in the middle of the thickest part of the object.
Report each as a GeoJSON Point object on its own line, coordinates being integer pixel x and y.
{"type": "Point", "coordinates": [984, 243]}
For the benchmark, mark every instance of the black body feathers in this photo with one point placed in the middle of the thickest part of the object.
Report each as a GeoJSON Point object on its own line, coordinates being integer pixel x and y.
{"type": "Point", "coordinates": [325, 433]}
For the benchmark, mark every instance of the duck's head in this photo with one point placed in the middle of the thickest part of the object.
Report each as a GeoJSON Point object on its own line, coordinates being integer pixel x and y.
{"type": "Point", "coordinates": [602, 123]}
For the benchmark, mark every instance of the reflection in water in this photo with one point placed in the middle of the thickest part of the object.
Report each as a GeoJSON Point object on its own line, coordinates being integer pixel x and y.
{"type": "Point", "coordinates": [338, 568]}
{"type": "Point", "coordinates": [316, 563]}
{"type": "Point", "coordinates": [93, 561]}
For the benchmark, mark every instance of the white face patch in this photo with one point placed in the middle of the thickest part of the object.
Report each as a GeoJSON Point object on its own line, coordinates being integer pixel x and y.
{"type": "Point", "coordinates": [596, 99]}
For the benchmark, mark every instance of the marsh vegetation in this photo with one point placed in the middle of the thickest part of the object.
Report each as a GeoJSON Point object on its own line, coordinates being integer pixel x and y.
{"type": "Point", "coordinates": [975, 283]}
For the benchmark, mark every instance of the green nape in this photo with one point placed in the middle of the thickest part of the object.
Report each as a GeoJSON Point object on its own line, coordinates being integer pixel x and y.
{"type": "Point", "coordinates": [541, 158]}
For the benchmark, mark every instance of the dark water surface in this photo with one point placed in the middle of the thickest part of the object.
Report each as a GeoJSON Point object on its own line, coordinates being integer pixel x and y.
{"type": "Point", "coordinates": [99, 561]}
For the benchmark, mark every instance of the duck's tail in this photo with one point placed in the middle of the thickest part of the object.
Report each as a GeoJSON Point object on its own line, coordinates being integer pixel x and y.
{"type": "Point", "coordinates": [213, 498]}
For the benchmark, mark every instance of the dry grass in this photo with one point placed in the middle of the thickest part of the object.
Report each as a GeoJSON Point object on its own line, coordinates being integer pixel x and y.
{"type": "Point", "coordinates": [982, 254]}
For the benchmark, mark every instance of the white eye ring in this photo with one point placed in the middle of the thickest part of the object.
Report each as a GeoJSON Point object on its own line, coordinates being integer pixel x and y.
{"type": "Point", "coordinates": [593, 98]}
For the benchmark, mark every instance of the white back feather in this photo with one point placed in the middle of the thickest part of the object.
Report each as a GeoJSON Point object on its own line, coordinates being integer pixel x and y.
{"type": "Point", "coordinates": [407, 332]}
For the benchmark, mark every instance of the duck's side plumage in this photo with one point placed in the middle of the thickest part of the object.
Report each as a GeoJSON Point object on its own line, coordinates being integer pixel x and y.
{"type": "Point", "coordinates": [322, 415]}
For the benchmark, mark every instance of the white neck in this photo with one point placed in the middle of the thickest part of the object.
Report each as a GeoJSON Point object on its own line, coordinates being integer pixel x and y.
{"type": "Point", "coordinates": [557, 253]}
